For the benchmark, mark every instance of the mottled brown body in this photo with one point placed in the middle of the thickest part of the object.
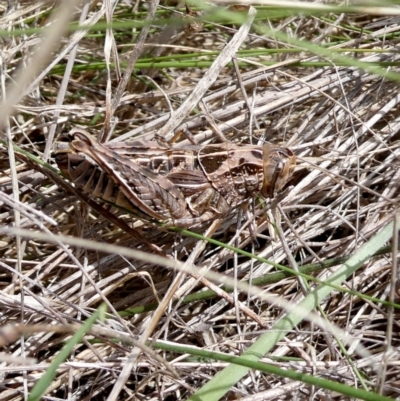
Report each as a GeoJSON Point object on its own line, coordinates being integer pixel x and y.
{"type": "Point", "coordinates": [176, 186]}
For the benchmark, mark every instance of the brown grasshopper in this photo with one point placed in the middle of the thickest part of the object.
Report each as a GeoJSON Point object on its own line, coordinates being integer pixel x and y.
{"type": "Point", "coordinates": [176, 186]}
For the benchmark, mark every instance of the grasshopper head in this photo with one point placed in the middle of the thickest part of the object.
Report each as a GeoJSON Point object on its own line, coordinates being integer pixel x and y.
{"type": "Point", "coordinates": [279, 164]}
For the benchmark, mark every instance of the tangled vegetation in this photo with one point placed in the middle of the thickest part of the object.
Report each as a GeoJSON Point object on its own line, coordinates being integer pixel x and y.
{"type": "Point", "coordinates": [307, 281]}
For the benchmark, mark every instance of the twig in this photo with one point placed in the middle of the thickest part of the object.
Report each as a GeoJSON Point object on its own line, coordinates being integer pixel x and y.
{"type": "Point", "coordinates": [209, 77]}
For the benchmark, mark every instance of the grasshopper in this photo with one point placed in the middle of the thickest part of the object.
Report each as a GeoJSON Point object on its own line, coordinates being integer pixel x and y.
{"type": "Point", "coordinates": [180, 187]}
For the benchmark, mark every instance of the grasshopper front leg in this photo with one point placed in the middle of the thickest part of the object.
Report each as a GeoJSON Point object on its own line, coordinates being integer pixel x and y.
{"type": "Point", "coordinates": [203, 201]}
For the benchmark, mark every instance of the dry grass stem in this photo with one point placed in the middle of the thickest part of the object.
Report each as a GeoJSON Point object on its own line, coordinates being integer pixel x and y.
{"type": "Point", "coordinates": [138, 70]}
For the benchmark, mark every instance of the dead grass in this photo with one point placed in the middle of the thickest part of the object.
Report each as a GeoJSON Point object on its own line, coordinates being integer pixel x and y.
{"type": "Point", "coordinates": [341, 121]}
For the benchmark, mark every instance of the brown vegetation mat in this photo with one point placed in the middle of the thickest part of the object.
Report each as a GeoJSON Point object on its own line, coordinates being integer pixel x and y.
{"type": "Point", "coordinates": [343, 124]}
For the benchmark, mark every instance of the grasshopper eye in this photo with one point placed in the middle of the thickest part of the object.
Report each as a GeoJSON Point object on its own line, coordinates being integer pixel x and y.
{"type": "Point", "coordinates": [287, 164]}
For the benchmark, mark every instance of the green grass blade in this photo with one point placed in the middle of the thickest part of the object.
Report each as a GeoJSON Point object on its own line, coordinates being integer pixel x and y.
{"type": "Point", "coordinates": [228, 377]}
{"type": "Point", "coordinates": [271, 369]}
{"type": "Point", "coordinates": [45, 381]}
